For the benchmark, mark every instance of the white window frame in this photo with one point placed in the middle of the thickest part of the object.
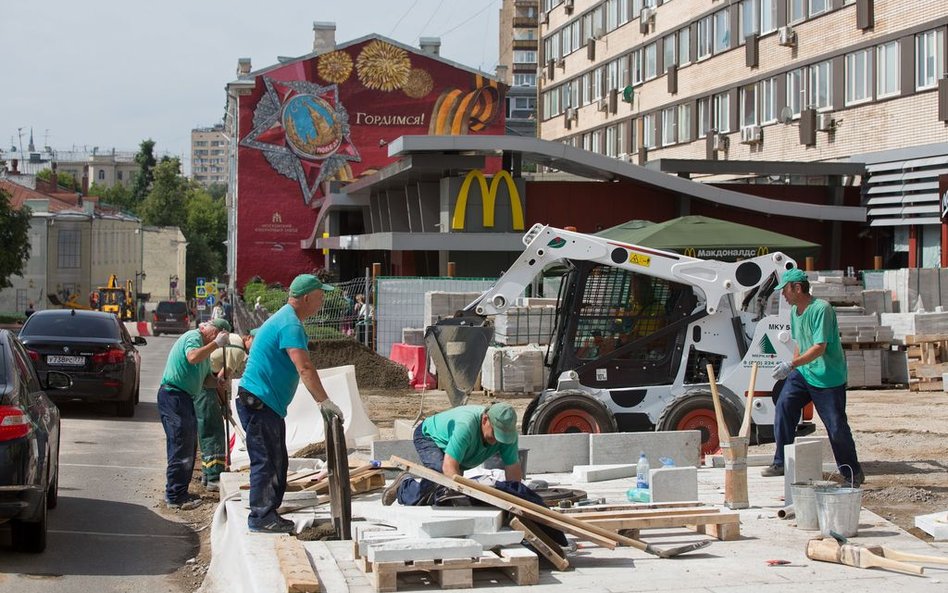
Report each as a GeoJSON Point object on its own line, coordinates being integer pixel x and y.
{"type": "Point", "coordinates": [597, 84]}
{"type": "Point", "coordinates": [595, 138]}
{"type": "Point", "coordinates": [796, 11]}
{"type": "Point", "coordinates": [796, 90]}
{"type": "Point", "coordinates": [705, 38]}
{"type": "Point", "coordinates": [885, 53]}
{"type": "Point", "coordinates": [820, 95]}
{"type": "Point", "coordinates": [768, 16]}
{"type": "Point", "coordinates": [859, 77]}
{"type": "Point", "coordinates": [817, 7]}
{"type": "Point", "coordinates": [929, 59]}
{"type": "Point", "coordinates": [748, 19]}
{"type": "Point", "coordinates": [684, 46]}
{"type": "Point", "coordinates": [767, 94]}
{"type": "Point", "coordinates": [635, 66]}
{"type": "Point", "coordinates": [704, 117]}
{"type": "Point", "coordinates": [669, 126]}
{"type": "Point", "coordinates": [748, 105]}
{"type": "Point", "coordinates": [684, 122]}
{"type": "Point", "coordinates": [522, 56]}
{"type": "Point", "coordinates": [670, 50]}
{"type": "Point", "coordinates": [722, 31]}
{"type": "Point", "coordinates": [611, 141]}
{"type": "Point", "coordinates": [648, 130]}
{"type": "Point", "coordinates": [650, 60]}
{"type": "Point", "coordinates": [721, 120]}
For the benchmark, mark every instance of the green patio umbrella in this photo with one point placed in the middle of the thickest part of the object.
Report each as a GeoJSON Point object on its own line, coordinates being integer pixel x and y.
{"type": "Point", "coordinates": [709, 238]}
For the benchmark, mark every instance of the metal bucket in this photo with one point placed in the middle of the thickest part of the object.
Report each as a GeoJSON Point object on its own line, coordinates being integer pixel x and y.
{"type": "Point", "coordinates": [838, 510]}
{"type": "Point", "coordinates": [495, 462]}
{"type": "Point", "coordinates": [804, 505]}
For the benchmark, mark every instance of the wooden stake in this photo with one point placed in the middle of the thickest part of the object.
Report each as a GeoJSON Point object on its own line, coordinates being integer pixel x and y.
{"type": "Point", "coordinates": [295, 566]}
{"type": "Point", "coordinates": [749, 404]}
{"type": "Point", "coordinates": [724, 434]}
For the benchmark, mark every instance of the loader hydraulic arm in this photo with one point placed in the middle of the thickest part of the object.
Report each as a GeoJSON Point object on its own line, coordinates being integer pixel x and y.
{"type": "Point", "coordinates": [547, 245]}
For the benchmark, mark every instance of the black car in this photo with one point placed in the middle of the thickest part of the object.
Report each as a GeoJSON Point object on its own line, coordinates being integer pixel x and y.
{"type": "Point", "coordinates": [93, 348]}
{"type": "Point", "coordinates": [170, 317]}
{"type": "Point", "coordinates": [29, 446]}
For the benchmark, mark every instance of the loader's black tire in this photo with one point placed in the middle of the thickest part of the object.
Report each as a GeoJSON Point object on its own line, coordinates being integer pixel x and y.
{"type": "Point", "coordinates": [528, 415]}
{"type": "Point", "coordinates": [571, 412]}
{"type": "Point", "coordinates": [696, 412]}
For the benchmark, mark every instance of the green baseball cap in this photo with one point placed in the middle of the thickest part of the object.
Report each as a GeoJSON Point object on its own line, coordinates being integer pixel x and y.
{"type": "Point", "coordinates": [504, 420]}
{"type": "Point", "coordinates": [221, 324]}
{"type": "Point", "coordinates": [790, 276]}
{"type": "Point", "coordinates": [307, 283]}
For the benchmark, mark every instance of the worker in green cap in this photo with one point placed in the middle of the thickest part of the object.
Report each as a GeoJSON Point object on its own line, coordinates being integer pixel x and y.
{"type": "Point", "coordinates": [277, 363]}
{"type": "Point", "coordinates": [183, 383]}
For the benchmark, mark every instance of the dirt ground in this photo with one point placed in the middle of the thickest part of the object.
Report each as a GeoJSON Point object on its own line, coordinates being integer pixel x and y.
{"type": "Point", "coordinates": [901, 438]}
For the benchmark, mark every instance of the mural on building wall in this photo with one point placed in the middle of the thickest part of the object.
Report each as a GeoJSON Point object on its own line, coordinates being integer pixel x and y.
{"type": "Point", "coordinates": [330, 118]}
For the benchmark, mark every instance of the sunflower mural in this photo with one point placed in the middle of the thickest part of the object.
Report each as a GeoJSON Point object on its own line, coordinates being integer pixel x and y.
{"type": "Point", "coordinates": [383, 66]}
{"type": "Point", "coordinates": [334, 67]}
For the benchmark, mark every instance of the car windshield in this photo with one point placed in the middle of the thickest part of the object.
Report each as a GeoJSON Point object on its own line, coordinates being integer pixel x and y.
{"type": "Point", "coordinates": [80, 326]}
{"type": "Point", "coordinates": [169, 308]}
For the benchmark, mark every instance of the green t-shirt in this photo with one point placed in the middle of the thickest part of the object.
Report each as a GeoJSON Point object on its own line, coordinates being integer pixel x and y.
{"type": "Point", "coordinates": [457, 432]}
{"type": "Point", "coordinates": [181, 373]}
{"type": "Point", "coordinates": [818, 325]}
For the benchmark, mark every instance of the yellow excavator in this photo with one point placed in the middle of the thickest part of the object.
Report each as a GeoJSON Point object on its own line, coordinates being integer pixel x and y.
{"type": "Point", "coordinates": [117, 300]}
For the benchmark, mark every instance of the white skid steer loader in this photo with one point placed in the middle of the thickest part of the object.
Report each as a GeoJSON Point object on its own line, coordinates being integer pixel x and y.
{"type": "Point", "coordinates": [635, 330]}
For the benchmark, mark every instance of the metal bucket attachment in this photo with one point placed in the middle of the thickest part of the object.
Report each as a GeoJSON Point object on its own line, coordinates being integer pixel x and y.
{"type": "Point", "coordinates": [458, 345]}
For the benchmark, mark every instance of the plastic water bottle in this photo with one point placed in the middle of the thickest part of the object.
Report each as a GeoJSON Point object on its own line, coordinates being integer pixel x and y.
{"type": "Point", "coordinates": [641, 471]}
{"type": "Point", "coordinates": [638, 495]}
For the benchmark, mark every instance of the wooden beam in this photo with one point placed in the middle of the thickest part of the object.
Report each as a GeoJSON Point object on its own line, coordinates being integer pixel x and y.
{"type": "Point", "coordinates": [295, 566]}
{"type": "Point", "coordinates": [541, 542]}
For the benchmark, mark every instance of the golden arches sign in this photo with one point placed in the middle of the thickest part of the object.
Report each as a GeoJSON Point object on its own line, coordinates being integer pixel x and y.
{"type": "Point", "coordinates": [690, 252]}
{"type": "Point", "coordinates": [489, 197]}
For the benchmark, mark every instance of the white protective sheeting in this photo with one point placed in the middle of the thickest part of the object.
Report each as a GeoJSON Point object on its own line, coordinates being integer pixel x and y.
{"type": "Point", "coordinates": [304, 422]}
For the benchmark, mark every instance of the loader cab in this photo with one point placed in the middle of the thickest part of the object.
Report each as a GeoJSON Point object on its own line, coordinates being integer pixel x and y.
{"type": "Point", "coordinates": [617, 328]}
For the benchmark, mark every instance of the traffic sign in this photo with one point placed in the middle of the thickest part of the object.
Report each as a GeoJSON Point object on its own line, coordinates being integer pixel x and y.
{"type": "Point", "coordinates": [200, 281]}
{"type": "Point", "coordinates": [200, 291]}
{"type": "Point", "coordinates": [210, 300]}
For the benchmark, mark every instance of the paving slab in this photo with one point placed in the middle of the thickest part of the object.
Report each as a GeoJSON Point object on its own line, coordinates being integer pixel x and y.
{"type": "Point", "coordinates": [555, 452]}
{"type": "Point", "coordinates": [935, 525]}
{"type": "Point", "coordinates": [681, 446]}
{"type": "Point", "coordinates": [583, 474]}
{"type": "Point", "coordinates": [441, 548]}
{"type": "Point", "coordinates": [673, 484]}
{"type": "Point", "coordinates": [803, 463]}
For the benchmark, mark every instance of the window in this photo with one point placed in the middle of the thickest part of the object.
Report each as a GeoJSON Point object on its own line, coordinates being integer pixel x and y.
{"type": "Point", "coordinates": [612, 75]}
{"type": "Point", "coordinates": [623, 12]}
{"type": "Point", "coordinates": [767, 92]}
{"type": "Point", "coordinates": [796, 10]}
{"type": "Point", "coordinates": [669, 51]}
{"type": "Point", "coordinates": [929, 59]}
{"type": "Point", "coordinates": [596, 140]}
{"type": "Point", "coordinates": [612, 14]}
{"type": "Point", "coordinates": [118, 175]}
{"type": "Point", "coordinates": [101, 175]}
{"type": "Point", "coordinates": [69, 248]}
{"type": "Point", "coordinates": [597, 84]}
{"type": "Point", "coordinates": [648, 130]}
{"type": "Point", "coordinates": [887, 69]}
{"type": "Point", "coordinates": [651, 65]}
{"type": "Point", "coordinates": [749, 18]}
{"type": "Point", "coordinates": [684, 46]}
{"type": "Point", "coordinates": [521, 56]}
{"type": "Point", "coordinates": [669, 126]}
{"type": "Point", "coordinates": [722, 31]}
{"type": "Point", "coordinates": [684, 123]}
{"type": "Point", "coordinates": [821, 85]}
{"type": "Point", "coordinates": [611, 141]}
{"type": "Point", "coordinates": [636, 67]}
{"type": "Point", "coordinates": [722, 112]}
{"type": "Point", "coordinates": [704, 37]}
{"type": "Point", "coordinates": [818, 7]}
{"type": "Point", "coordinates": [584, 89]}
{"type": "Point", "coordinates": [795, 91]}
{"type": "Point", "coordinates": [858, 72]}
{"type": "Point", "coordinates": [768, 15]}
{"type": "Point", "coordinates": [620, 139]}
{"type": "Point", "coordinates": [748, 98]}
{"type": "Point", "coordinates": [566, 42]}
{"type": "Point", "coordinates": [704, 117]}
{"type": "Point", "coordinates": [525, 80]}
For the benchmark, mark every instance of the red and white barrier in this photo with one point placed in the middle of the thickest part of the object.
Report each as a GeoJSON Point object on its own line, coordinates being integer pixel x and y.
{"type": "Point", "coordinates": [138, 328]}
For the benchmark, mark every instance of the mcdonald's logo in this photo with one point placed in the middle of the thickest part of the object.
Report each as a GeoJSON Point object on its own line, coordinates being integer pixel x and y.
{"type": "Point", "coordinates": [489, 198]}
{"type": "Point", "coordinates": [690, 252]}
{"type": "Point", "coordinates": [763, 250]}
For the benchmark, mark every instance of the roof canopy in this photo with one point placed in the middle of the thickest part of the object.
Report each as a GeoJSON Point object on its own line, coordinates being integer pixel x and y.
{"type": "Point", "coordinates": [709, 238]}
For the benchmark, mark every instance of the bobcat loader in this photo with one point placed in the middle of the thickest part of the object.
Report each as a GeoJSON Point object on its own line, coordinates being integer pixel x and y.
{"type": "Point", "coordinates": [635, 330]}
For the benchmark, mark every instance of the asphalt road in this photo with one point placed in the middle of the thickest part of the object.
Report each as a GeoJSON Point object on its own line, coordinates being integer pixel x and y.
{"type": "Point", "coordinates": [109, 532]}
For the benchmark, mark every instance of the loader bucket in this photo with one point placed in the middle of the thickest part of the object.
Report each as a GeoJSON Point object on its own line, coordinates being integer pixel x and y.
{"type": "Point", "coordinates": [458, 345]}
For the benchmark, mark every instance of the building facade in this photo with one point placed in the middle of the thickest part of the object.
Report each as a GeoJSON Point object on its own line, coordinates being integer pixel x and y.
{"type": "Point", "coordinates": [766, 80]}
{"type": "Point", "coordinates": [209, 162]}
{"type": "Point", "coordinates": [517, 63]}
{"type": "Point", "coordinates": [164, 253]}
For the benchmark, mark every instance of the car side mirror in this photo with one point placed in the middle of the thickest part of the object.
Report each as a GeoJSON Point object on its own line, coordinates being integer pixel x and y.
{"type": "Point", "coordinates": [58, 380]}
{"type": "Point", "coordinates": [139, 341]}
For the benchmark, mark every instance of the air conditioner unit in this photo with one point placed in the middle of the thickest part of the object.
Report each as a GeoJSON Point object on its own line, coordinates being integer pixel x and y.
{"type": "Point", "coordinates": [825, 122]}
{"type": "Point", "coordinates": [623, 156]}
{"type": "Point", "coordinates": [572, 113]}
{"type": "Point", "coordinates": [604, 104]}
{"type": "Point", "coordinates": [598, 33]}
{"type": "Point", "coordinates": [751, 135]}
{"type": "Point", "coordinates": [568, 5]}
{"type": "Point", "coordinates": [646, 17]}
{"type": "Point", "coordinates": [719, 142]}
{"type": "Point", "coordinates": [544, 18]}
{"type": "Point", "coordinates": [561, 63]}
{"type": "Point", "coordinates": [786, 36]}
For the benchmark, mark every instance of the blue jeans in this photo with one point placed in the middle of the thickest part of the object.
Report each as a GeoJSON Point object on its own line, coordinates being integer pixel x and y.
{"type": "Point", "coordinates": [830, 403]}
{"type": "Point", "coordinates": [176, 409]}
{"type": "Point", "coordinates": [414, 492]}
{"type": "Point", "coordinates": [266, 446]}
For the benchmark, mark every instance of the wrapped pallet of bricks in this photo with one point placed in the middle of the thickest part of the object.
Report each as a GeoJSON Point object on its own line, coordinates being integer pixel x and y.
{"type": "Point", "coordinates": [439, 305]}
{"type": "Point", "coordinates": [837, 289]}
{"type": "Point", "coordinates": [513, 369]}
{"type": "Point", "coordinates": [524, 325]}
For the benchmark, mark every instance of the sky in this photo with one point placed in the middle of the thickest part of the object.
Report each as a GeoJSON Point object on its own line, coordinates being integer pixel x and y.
{"type": "Point", "coordinates": [111, 73]}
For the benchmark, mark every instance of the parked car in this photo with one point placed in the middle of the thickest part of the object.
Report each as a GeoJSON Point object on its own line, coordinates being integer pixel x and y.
{"type": "Point", "coordinates": [94, 349]}
{"type": "Point", "coordinates": [29, 445]}
{"type": "Point", "coordinates": [170, 317]}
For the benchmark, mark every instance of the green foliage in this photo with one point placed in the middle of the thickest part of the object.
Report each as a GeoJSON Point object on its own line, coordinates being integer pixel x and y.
{"type": "Point", "coordinates": [322, 332]}
{"type": "Point", "coordinates": [202, 260]}
{"type": "Point", "coordinates": [12, 318]}
{"type": "Point", "coordinates": [15, 237]}
{"type": "Point", "coordinates": [118, 195]}
{"type": "Point", "coordinates": [63, 179]}
{"type": "Point", "coordinates": [145, 158]}
{"type": "Point", "coordinates": [271, 298]}
{"type": "Point", "coordinates": [165, 203]}
{"type": "Point", "coordinates": [217, 190]}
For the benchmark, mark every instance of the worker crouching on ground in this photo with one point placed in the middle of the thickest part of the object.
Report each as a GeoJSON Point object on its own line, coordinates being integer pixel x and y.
{"type": "Point", "coordinates": [211, 407]}
{"type": "Point", "coordinates": [457, 440]}
{"type": "Point", "coordinates": [817, 373]}
{"type": "Point", "coordinates": [278, 361]}
{"type": "Point", "coordinates": [181, 385]}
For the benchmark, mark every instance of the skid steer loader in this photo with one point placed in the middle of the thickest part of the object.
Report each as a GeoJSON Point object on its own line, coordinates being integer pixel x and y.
{"type": "Point", "coordinates": [635, 330]}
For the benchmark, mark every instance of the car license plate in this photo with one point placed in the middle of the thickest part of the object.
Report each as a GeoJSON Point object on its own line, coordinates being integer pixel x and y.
{"type": "Point", "coordinates": [170, 319]}
{"type": "Point", "coordinates": [66, 360]}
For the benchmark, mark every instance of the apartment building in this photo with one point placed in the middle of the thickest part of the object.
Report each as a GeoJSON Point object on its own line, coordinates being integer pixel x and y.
{"type": "Point", "coordinates": [517, 63]}
{"type": "Point", "coordinates": [762, 80]}
{"type": "Point", "coordinates": [209, 162]}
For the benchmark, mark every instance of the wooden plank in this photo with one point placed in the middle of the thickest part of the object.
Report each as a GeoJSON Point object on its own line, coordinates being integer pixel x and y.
{"type": "Point", "coordinates": [646, 513]}
{"type": "Point", "coordinates": [295, 566]}
{"type": "Point", "coordinates": [630, 506]}
{"type": "Point", "coordinates": [623, 523]}
{"type": "Point", "coordinates": [541, 542]}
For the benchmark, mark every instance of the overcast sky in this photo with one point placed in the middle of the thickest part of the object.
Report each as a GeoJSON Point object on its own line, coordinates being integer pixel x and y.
{"type": "Point", "coordinates": [111, 73]}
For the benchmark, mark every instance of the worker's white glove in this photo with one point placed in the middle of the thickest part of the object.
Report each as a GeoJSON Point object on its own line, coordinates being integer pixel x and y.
{"type": "Point", "coordinates": [781, 371]}
{"type": "Point", "coordinates": [330, 409]}
{"type": "Point", "coordinates": [222, 339]}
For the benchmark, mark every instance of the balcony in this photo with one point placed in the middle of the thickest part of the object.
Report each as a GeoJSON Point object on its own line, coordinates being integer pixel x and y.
{"type": "Point", "coordinates": [527, 44]}
{"type": "Point", "coordinates": [525, 21]}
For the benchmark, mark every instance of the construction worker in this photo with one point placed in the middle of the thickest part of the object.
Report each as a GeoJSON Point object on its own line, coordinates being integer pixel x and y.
{"type": "Point", "coordinates": [211, 407]}
{"type": "Point", "coordinates": [182, 383]}
{"type": "Point", "coordinates": [277, 363]}
{"type": "Point", "coordinates": [456, 440]}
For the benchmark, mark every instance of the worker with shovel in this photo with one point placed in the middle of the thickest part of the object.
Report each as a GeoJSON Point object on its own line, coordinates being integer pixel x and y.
{"type": "Point", "coordinates": [277, 363]}
{"type": "Point", "coordinates": [212, 407]}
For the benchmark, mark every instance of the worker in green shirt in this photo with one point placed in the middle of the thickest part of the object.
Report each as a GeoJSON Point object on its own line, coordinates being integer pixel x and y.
{"type": "Point", "coordinates": [457, 440]}
{"type": "Point", "coordinates": [183, 382]}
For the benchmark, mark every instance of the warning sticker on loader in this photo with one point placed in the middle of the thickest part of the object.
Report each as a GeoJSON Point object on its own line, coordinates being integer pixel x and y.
{"type": "Point", "coordinates": [639, 259]}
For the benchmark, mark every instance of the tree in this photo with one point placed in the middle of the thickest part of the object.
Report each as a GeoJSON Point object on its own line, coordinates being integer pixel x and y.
{"type": "Point", "coordinates": [205, 230]}
{"type": "Point", "coordinates": [15, 237]}
{"type": "Point", "coordinates": [118, 195]}
{"type": "Point", "coordinates": [63, 179]}
{"type": "Point", "coordinates": [165, 204]}
{"type": "Point", "coordinates": [217, 190]}
{"type": "Point", "coordinates": [145, 158]}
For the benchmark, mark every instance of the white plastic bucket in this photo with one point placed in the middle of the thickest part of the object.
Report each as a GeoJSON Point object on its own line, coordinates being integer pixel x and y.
{"type": "Point", "coordinates": [838, 510]}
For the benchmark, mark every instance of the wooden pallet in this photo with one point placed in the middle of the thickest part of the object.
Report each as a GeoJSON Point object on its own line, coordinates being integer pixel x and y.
{"type": "Point", "coordinates": [518, 563]}
{"type": "Point", "coordinates": [722, 525]}
{"type": "Point", "coordinates": [866, 345]}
